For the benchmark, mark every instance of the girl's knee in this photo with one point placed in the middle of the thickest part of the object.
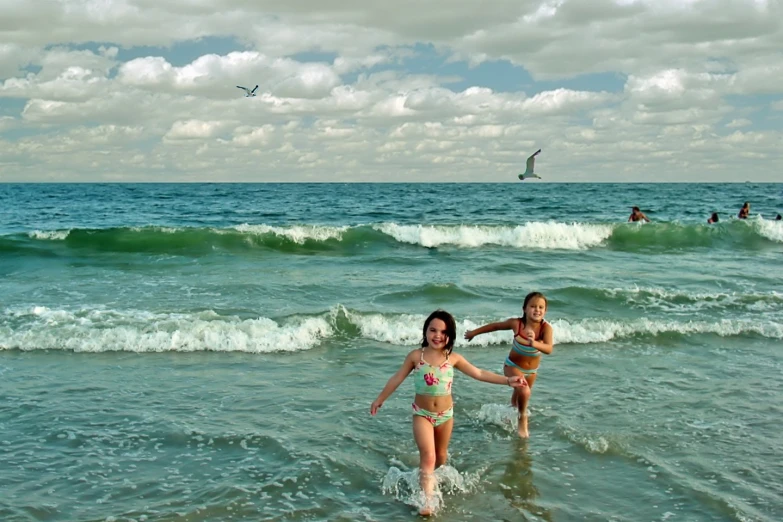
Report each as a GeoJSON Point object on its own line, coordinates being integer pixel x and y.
{"type": "Point", "coordinates": [440, 458]}
{"type": "Point", "coordinates": [427, 461]}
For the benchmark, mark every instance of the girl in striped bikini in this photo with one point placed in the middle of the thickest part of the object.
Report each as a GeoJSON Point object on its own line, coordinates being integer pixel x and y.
{"type": "Point", "coordinates": [532, 337]}
{"type": "Point", "coordinates": [432, 367]}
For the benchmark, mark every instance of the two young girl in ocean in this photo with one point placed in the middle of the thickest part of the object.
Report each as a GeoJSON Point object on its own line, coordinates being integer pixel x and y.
{"type": "Point", "coordinates": [433, 367]}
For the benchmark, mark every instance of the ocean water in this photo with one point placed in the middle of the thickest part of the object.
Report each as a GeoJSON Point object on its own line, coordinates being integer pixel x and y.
{"type": "Point", "coordinates": [209, 352]}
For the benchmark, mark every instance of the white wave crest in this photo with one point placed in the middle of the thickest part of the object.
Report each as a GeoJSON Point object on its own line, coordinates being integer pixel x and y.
{"type": "Point", "coordinates": [534, 235]}
{"type": "Point", "coordinates": [772, 230]}
{"type": "Point", "coordinates": [406, 329]}
{"type": "Point", "coordinates": [296, 233]}
{"type": "Point", "coordinates": [689, 301]}
{"type": "Point", "coordinates": [136, 331]}
{"type": "Point", "coordinates": [51, 235]}
{"type": "Point", "coordinates": [164, 230]}
{"type": "Point", "coordinates": [399, 330]}
{"type": "Point", "coordinates": [601, 330]}
{"type": "Point", "coordinates": [139, 331]}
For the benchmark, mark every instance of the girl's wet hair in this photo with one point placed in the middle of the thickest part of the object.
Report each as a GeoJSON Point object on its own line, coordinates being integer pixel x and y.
{"type": "Point", "coordinates": [528, 297]}
{"type": "Point", "coordinates": [451, 328]}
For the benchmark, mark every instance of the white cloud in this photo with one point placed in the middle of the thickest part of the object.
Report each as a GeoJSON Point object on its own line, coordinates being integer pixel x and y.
{"type": "Point", "coordinates": [212, 75]}
{"type": "Point", "coordinates": [13, 57]}
{"type": "Point", "coordinates": [7, 122]}
{"type": "Point", "coordinates": [309, 81]}
{"type": "Point", "coordinates": [147, 71]}
{"type": "Point", "coordinates": [260, 136]}
{"type": "Point", "coordinates": [738, 123]}
{"type": "Point", "coordinates": [564, 101]}
{"type": "Point", "coordinates": [194, 129]}
{"type": "Point", "coordinates": [759, 77]}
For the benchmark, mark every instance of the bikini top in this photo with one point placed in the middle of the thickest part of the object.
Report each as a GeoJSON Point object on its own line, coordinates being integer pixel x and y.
{"type": "Point", "coordinates": [522, 349]}
{"type": "Point", "coordinates": [433, 380]}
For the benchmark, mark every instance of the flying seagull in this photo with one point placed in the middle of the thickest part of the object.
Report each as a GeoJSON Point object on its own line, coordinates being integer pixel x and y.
{"type": "Point", "coordinates": [248, 92]}
{"type": "Point", "coordinates": [530, 167]}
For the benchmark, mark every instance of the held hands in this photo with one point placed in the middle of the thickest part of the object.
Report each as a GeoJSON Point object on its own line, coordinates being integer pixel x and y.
{"type": "Point", "coordinates": [517, 381]}
{"type": "Point", "coordinates": [375, 406]}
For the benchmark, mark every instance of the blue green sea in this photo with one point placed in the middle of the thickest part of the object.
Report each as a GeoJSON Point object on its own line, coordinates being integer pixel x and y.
{"type": "Point", "coordinates": [209, 352]}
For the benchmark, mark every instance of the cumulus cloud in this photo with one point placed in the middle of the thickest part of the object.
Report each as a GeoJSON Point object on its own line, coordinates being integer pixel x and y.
{"type": "Point", "coordinates": [147, 71]}
{"type": "Point", "coordinates": [7, 122]}
{"type": "Point", "coordinates": [14, 57]}
{"type": "Point", "coordinates": [738, 123]}
{"type": "Point", "coordinates": [193, 129]}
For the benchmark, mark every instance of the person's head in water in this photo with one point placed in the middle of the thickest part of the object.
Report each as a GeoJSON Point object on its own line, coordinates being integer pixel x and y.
{"type": "Point", "coordinates": [778, 218]}
{"type": "Point", "coordinates": [637, 215]}
{"type": "Point", "coordinates": [713, 218]}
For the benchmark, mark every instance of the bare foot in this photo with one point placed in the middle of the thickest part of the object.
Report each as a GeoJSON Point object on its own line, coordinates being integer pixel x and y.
{"type": "Point", "coordinates": [522, 428]}
{"type": "Point", "coordinates": [427, 510]}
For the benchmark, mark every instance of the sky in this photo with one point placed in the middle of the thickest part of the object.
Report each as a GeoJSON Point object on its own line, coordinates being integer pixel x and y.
{"type": "Point", "coordinates": [403, 91]}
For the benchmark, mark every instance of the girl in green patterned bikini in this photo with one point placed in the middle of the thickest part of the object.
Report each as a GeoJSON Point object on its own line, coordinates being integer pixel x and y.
{"type": "Point", "coordinates": [433, 371]}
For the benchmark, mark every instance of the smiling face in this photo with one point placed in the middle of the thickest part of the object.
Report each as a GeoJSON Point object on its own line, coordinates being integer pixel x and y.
{"type": "Point", "coordinates": [439, 331]}
{"type": "Point", "coordinates": [535, 309]}
{"type": "Point", "coordinates": [437, 335]}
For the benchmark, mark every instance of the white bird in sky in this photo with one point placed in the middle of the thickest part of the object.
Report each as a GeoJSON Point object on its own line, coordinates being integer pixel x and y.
{"type": "Point", "coordinates": [529, 168]}
{"type": "Point", "coordinates": [248, 92]}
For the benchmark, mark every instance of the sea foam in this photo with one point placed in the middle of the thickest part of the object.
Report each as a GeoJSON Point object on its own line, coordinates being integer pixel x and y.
{"type": "Point", "coordinates": [550, 235]}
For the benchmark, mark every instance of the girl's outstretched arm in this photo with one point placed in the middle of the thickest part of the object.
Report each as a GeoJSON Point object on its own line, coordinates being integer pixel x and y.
{"type": "Point", "coordinates": [468, 369]}
{"type": "Point", "coordinates": [508, 324]}
{"type": "Point", "coordinates": [395, 380]}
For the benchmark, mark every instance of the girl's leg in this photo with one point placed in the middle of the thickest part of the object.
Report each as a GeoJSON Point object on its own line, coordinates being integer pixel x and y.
{"type": "Point", "coordinates": [514, 399]}
{"type": "Point", "coordinates": [520, 398]}
{"type": "Point", "coordinates": [510, 371]}
{"type": "Point", "coordinates": [524, 394]}
{"type": "Point", "coordinates": [524, 398]}
{"type": "Point", "coordinates": [424, 435]}
{"type": "Point", "coordinates": [442, 438]}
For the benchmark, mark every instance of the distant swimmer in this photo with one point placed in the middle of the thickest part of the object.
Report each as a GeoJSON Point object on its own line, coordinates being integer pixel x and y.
{"type": "Point", "coordinates": [744, 211]}
{"type": "Point", "coordinates": [713, 218]}
{"type": "Point", "coordinates": [530, 167]}
{"type": "Point", "coordinates": [637, 215]}
{"type": "Point", "coordinates": [248, 92]}
{"type": "Point", "coordinates": [778, 218]}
